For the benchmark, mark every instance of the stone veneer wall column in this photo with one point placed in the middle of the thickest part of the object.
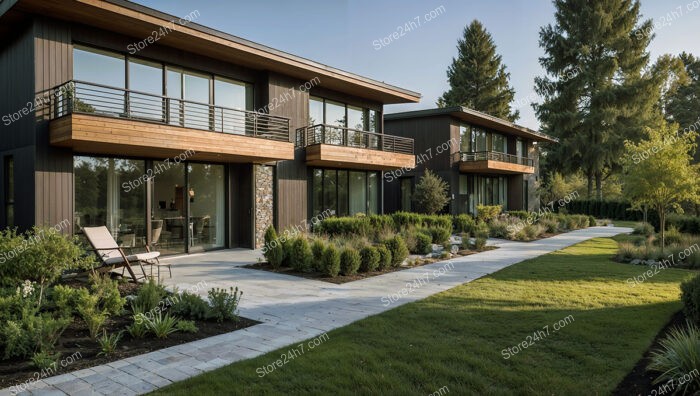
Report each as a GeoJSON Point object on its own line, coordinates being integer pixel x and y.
{"type": "Point", "coordinates": [264, 202]}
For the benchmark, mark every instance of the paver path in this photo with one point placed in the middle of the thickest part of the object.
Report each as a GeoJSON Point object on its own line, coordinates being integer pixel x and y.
{"type": "Point", "coordinates": [292, 309]}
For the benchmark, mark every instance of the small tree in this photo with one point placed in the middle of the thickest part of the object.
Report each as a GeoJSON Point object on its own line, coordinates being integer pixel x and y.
{"type": "Point", "coordinates": [431, 193]}
{"type": "Point", "coordinates": [658, 172]}
{"type": "Point", "coordinates": [273, 252]}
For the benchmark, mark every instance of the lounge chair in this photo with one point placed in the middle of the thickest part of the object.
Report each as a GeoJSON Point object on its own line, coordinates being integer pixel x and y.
{"type": "Point", "coordinates": [112, 256]}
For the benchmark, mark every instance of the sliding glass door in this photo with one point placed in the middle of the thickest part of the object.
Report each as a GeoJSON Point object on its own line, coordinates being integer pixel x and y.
{"type": "Point", "coordinates": [187, 202]}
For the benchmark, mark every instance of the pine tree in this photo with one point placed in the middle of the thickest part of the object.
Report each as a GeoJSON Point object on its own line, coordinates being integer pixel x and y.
{"type": "Point", "coordinates": [595, 94]}
{"type": "Point", "coordinates": [683, 103]}
{"type": "Point", "coordinates": [478, 79]}
{"type": "Point", "coordinates": [431, 196]}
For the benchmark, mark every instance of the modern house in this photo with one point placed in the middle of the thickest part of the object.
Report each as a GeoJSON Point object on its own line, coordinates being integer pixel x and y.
{"type": "Point", "coordinates": [174, 134]}
{"type": "Point", "coordinates": [484, 159]}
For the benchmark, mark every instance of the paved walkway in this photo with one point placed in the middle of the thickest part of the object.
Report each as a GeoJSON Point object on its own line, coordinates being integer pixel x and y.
{"type": "Point", "coordinates": [292, 309]}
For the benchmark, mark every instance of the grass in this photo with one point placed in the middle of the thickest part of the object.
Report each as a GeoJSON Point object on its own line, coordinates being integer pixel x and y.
{"type": "Point", "coordinates": [456, 338]}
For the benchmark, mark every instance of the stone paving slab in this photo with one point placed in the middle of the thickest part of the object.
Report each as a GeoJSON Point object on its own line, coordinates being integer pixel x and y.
{"type": "Point", "coordinates": [291, 310]}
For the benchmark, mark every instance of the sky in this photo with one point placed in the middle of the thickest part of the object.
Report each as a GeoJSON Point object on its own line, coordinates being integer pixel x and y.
{"type": "Point", "coordinates": [353, 35]}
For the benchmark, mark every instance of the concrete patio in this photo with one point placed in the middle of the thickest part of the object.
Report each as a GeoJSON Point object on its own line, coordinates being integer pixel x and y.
{"type": "Point", "coordinates": [291, 309]}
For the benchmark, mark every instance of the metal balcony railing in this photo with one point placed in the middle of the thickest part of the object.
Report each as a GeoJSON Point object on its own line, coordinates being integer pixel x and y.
{"type": "Point", "coordinates": [494, 156]}
{"type": "Point", "coordinates": [348, 137]}
{"type": "Point", "coordinates": [89, 98]}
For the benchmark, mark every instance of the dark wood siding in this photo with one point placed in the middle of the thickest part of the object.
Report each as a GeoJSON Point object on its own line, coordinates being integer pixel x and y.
{"type": "Point", "coordinates": [241, 205]}
{"type": "Point", "coordinates": [16, 93]}
{"type": "Point", "coordinates": [430, 134]}
{"type": "Point", "coordinates": [291, 183]}
{"type": "Point", "coordinates": [54, 166]}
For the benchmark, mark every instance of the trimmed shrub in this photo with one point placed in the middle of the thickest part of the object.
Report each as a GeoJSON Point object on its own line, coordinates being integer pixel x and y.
{"type": "Point", "coordinates": [487, 213]}
{"type": "Point", "coordinates": [440, 235]}
{"type": "Point", "coordinates": [405, 219]}
{"type": "Point", "coordinates": [301, 255]}
{"type": "Point", "coordinates": [384, 257]}
{"type": "Point", "coordinates": [424, 243]}
{"type": "Point", "coordinates": [331, 261]}
{"type": "Point", "coordinates": [550, 225]}
{"type": "Point", "coordinates": [287, 241]}
{"type": "Point", "coordinates": [369, 259]}
{"type": "Point", "coordinates": [339, 226]}
{"type": "Point", "coordinates": [442, 221]}
{"type": "Point", "coordinates": [317, 248]}
{"type": "Point", "coordinates": [273, 252]}
{"type": "Point", "coordinates": [690, 296]}
{"type": "Point", "coordinates": [349, 261]}
{"type": "Point", "coordinates": [398, 249]}
{"type": "Point", "coordinates": [463, 223]}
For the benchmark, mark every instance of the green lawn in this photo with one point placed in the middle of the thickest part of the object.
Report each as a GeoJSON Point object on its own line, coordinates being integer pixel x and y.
{"type": "Point", "coordinates": [456, 338]}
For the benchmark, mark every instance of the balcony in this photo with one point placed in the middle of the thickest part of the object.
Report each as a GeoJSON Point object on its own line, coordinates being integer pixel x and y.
{"type": "Point", "coordinates": [494, 162]}
{"type": "Point", "coordinates": [99, 119]}
{"type": "Point", "coordinates": [340, 147]}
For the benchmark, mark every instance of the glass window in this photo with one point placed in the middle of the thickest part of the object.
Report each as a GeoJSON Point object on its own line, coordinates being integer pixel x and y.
{"type": "Point", "coordinates": [111, 192]}
{"type": "Point", "coordinates": [356, 121]}
{"type": "Point", "coordinates": [196, 89]}
{"type": "Point", "coordinates": [479, 140]}
{"type": "Point", "coordinates": [315, 111]}
{"type": "Point", "coordinates": [464, 137]}
{"type": "Point", "coordinates": [146, 77]}
{"type": "Point", "coordinates": [342, 193]}
{"type": "Point", "coordinates": [317, 191]}
{"type": "Point", "coordinates": [330, 192]}
{"type": "Point", "coordinates": [169, 208]}
{"type": "Point", "coordinates": [523, 148]}
{"type": "Point", "coordinates": [358, 192]}
{"type": "Point", "coordinates": [232, 94]}
{"type": "Point", "coordinates": [207, 210]}
{"type": "Point", "coordinates": [335, 113]}
{"type": "Point", "coordinates": [373, 192]}
{"type": "Point", "coordinates": [499, 143]}
{"type": "Point", "coordinates": [174, 92]}
{"type": "Point", "coordinates": [9, 191]}
{"type": "Point", "coordinates": [373, 121]}
{"type": "Point", "coordinates": [519, 148]}
{"type": "Point", "coordinates": [99, 67]}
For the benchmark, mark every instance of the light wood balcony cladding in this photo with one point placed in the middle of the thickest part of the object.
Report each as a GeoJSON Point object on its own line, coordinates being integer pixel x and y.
{"type": "Point", "coordinates": [114, 136]}
{"type": "Point", "coordinates": [495, 167]}
{"type": "Point", "coordinates": [327, 155]}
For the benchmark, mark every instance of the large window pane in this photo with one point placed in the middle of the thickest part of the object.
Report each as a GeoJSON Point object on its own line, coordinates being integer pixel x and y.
{"type": "Point", "coordinates": [498, 143]}
{"type": "Point", "coordinates": [206, 196]}
{"type": "Point", "coordinates": [99, 67]}
{"type": "Point", "coordinates": [146, 77]}
{"type": "Point", "coordinates": [234, 95]}
{"type": "Point", "coordinates": [317, 191]}
{"type": "Point", "coordinates": [169, 208]}
{"type": "Point", "coordinates": [174, 88]}
{"type": "Point", "coordinates": [478, 140]}
{"type": "Point", "coordinates": [335, 113]}
{"type": "Point", "coordinates": [373, 192]}
{"type": "Point", "coordinates": [330, 192]}
{"type": "Point", "coordinates": [356, 121]}
{"type": "Point", "coordinates": [111, 192]}
{"type": "Point", "coordinates": [196, 89]}
{"type": "Point", "coordinates": [358, 192]}
{"type": "Point", "coordinates": [315, 111]}
{"type": "Point", "coordinates": [465, 137]}
{"type": "Point", "coordinates": [343, 193]}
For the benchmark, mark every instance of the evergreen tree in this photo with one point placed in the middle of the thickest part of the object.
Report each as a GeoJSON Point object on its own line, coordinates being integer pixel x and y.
{"type": "Point", "coordinates": [596, 93]}
{"type": "Point", "coordinates": [431, 196]}
{"type": "Point", "coordinates": [682, 105]}
{"type": "Point", "coordinates": [478, 79]}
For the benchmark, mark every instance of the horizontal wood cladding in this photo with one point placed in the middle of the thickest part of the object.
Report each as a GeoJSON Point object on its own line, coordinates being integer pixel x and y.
{"type": "Point", "coordinates": [496, 167]}
{"type": "Point", "coordinates": [327, 155]}
{"type": "Point", "coordinates": [104, 135]}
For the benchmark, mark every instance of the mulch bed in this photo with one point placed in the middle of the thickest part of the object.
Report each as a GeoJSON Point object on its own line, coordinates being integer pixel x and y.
{"type": "Point", "coordinates": [639, 380]}
{"type": "Point", "coordinates": [340, 279]}
{"type": "Point", "coordinates": [76, 338]}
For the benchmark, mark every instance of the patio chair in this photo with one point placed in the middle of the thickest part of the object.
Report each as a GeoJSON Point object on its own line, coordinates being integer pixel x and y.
{"type": "Point", "coordinates": [112, 256]}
